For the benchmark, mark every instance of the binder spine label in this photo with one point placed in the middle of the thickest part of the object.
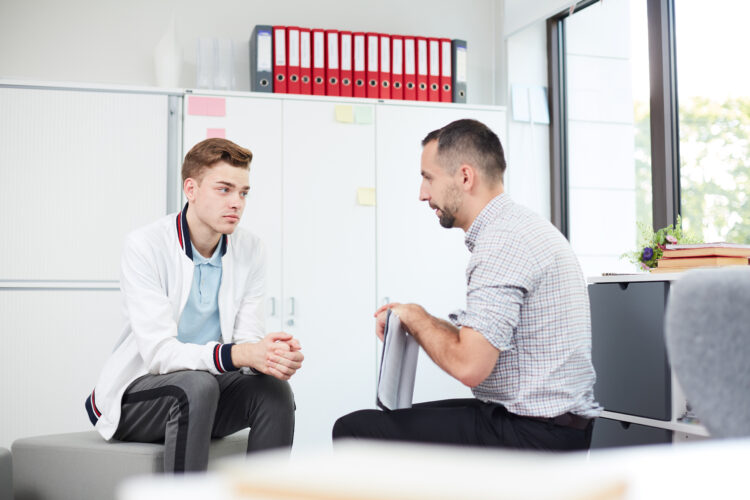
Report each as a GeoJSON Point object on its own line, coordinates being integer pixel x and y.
{"type": "Point", "coordinates": [409, 59]}
{"type": "Point", "coordinates": [372, 55]}
{"type": "Point", "coordinates": [319, 52]}
{"type": "Point", "coordinates": [398, 57]}
{"type": "Point", "coordinates": [304, 41]}
{"type": "Point", "coordinates": [293, 48]}
{"type": "Point", "coordinates": [280, 48]}
{"type": "Point", "coordinates": [422, 57]}
{"type": "Point", "coordinates": [333, 50]}
{"type": "Point", "coordinates": [385, 54]}
{"type": "Point", "coordinates": [359, 53]}
{"type": "Point", "coordinates": [346, 52]}
{"type": "Point", "coordinates": [461, 64]}
{"type": "Point", "coordinates": [264, 51]}
{"type": "Point", "coordinates": [446, 53]}
{"type": "Point", "coordinates": [434, 58]}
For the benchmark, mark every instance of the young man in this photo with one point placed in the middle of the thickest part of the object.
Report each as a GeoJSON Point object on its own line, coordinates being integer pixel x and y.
{"type": "Point", "coordinates": [192, 362]}
{"type": "Point", "coordinates": [523, 344]}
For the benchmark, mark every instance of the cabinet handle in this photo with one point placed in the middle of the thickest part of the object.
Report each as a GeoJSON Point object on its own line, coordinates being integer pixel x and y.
{"type": "Point", "coordinates": [386, 300]}
{"type": "Point", "coordinates": [291, 306]}
{"type": "Point", "coordinates": [273, 306]}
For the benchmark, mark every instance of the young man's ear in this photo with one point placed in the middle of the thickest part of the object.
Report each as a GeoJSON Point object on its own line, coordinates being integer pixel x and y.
{"type": "Point", "coordinates": [189, 187]}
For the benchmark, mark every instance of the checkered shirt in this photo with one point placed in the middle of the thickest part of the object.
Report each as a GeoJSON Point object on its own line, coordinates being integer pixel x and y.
{"type": "Point", "coordinates": [527, 295]}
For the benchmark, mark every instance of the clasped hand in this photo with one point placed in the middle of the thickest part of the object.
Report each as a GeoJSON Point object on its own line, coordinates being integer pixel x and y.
{"type": "Point", "coordinates": [278, 354]}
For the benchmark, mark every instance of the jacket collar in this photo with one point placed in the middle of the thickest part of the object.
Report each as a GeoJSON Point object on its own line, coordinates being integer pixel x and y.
{"type": "Point", "coordinates": [183, 234]}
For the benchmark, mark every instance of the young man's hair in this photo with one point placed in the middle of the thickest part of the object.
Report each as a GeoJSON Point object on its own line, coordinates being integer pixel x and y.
{"type": "Point", "coordinates": [469, 142]}
{"type": "Point", "coordinates": [208, 153]}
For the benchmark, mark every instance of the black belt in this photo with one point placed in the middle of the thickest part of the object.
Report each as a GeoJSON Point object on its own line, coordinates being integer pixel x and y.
{"type": "Point", "coordinates": [566, 420]}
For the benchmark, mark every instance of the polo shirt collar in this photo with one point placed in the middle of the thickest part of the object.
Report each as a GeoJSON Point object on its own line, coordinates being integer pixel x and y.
{"type": "Point", "coordinates": [183, 235]}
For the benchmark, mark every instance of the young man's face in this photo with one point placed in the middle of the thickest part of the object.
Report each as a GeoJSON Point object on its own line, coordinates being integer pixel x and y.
{"type": "Point", "coordinates": [218, 200]}
{"type": "Point", "coordinates": [439, 188]}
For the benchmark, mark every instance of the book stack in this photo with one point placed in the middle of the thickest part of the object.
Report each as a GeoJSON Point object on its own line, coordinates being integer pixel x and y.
{"type": "Point", "coordinates": [677, 258]}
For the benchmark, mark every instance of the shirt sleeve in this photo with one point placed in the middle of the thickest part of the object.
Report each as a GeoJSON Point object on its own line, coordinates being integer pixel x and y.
{"type": "Point", "coordinates": [250, 321]}
{"type": "Point", "coordinates": [499, 277]}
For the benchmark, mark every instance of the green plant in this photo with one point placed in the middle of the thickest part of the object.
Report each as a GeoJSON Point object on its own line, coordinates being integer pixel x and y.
{"type": "Point", "coordinates": [651, 244]}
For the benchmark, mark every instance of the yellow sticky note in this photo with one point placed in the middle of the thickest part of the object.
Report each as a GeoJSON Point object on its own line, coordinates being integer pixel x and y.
{"type": "Point", "coordinates": [366, 197]}
{"type": "Point", "coordinates": [363, 114]}
{"type": "Point", "coordinates": [344, 113]}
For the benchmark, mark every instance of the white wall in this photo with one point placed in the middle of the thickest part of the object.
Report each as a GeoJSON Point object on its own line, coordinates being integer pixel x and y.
{"type": "Point", "coordinates": [520, 14]}
{"type": "Point", "coordinates": [527, 150]}
{"type": "Point", "coordinates": [108, 41]}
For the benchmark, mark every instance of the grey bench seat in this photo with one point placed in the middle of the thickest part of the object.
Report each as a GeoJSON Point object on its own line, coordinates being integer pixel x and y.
{"type": "Point", "coordinates": [83, 465]}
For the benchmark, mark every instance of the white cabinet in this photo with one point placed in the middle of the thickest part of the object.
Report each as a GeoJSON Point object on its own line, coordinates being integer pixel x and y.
{"type": "Point", "coordinates": [79, 169]}
{"type": "Point", "coordinates": [254, 124]}
{"type": "Point", "coordinates": [419, 260]}
{"type": "Point", "coordinates": [333, 260]}
{"type": "Point", "coordinates": [304, 178]}
{"type": "Point", "coordinates": [329, 264]}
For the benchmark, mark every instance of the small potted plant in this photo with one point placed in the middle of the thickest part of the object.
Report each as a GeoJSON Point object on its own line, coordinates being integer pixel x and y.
{"type": "Point", "coordinates": [651, 244]}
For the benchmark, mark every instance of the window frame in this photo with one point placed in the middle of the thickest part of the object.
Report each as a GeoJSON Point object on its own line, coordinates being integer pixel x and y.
{"type": "Point", "coordinates": [665, 155]}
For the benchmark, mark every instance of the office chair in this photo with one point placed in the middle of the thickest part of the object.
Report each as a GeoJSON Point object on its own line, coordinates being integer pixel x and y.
{"type": "Point", "coordinates": [707, 329]}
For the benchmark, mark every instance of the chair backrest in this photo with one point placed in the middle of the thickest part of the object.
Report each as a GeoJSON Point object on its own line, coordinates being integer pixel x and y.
{"type": "Point", "coordinates": [707, 328]}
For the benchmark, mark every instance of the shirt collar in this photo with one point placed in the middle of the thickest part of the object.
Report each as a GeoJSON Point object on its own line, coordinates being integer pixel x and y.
{"type": "Point", "coordinates": [183, 235]}
{"type": "Point", "coordinates": [214, 260]}
{"type": "Point", "coordinates": [488, 213]}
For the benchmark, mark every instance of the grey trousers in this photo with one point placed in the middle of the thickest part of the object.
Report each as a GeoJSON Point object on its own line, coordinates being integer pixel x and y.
{"type": "Point", "coordinates": [185, 409]}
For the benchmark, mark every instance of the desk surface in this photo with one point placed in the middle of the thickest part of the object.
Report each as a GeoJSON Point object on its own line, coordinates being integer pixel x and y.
{"type": "Point", "coordinates": [632, 278]}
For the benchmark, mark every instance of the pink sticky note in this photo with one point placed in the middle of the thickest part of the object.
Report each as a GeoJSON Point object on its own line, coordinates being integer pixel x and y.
{"type": "Point", "coordinates": [221, 133]}
{"type": "Point", "coordinates": [207, 106]}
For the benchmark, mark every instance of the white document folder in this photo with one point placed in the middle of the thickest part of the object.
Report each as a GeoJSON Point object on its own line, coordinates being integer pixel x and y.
{"type": "Point", "coordinates": [398, 366]}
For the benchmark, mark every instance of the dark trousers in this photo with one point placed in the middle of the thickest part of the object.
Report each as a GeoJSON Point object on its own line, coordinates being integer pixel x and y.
{"type": "Point", "coordinates": [185, 409]}
{"type": "Point", "coordinates": [462, 421]}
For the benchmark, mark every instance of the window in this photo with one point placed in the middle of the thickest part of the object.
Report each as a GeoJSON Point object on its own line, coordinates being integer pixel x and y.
{"type": "Point", "coordinates": [608, 150]}
{"type": "Point", "coordinates": [692, 159]}
{"type": "Point", "coordinates": [714, 118]}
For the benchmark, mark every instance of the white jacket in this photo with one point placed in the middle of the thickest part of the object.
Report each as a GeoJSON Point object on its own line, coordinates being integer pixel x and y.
{"type": "Point", "coordinates": [156, 276]}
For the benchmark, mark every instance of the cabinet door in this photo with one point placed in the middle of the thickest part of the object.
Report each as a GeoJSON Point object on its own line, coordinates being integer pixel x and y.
{"type": "Point", "coordinates": [254, 124]}
{"type": "Point", "coordinates": [329, 265]}
{"type": "Point", "coordinates": [78, 171]}
{"type": "Point", "coordinates": [418, 260]}
{"type": "Point", "coordinates": [55, 343]}
{"type": "Point", "coordinates": [628, 350]}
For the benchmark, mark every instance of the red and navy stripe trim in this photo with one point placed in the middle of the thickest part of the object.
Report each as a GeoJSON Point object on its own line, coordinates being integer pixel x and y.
{"type": "Point", "coordinates": [223, 358]}
{"type": "Point", "coordinates": [183, 234]}
{"type": "Point", "coordinates": [91, 409]}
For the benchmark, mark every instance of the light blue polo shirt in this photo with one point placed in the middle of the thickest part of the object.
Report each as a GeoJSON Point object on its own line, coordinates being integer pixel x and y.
{"type": "Point", "coordinates": [199, 322]}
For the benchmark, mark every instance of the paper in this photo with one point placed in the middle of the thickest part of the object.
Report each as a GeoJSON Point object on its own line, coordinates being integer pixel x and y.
{"type": "Point", "coordinates": [538, 104]}
{"type": "Point", "coordinates": [216, 132]}
{"type": "Point", "coordinates": [398, 366]}
{"type": "Point", "coordinates": [206, 106]}
{"type": "Point", "coordinates": [366, 197]}
{"type": "Point", "coordinates": [530, 104]}
{"type": "Point", "coordinates": [519, 96]}
{"type": "Point", "coordinates": [344, 113]}
{"type": "Point", "coordinates": [363, 115]}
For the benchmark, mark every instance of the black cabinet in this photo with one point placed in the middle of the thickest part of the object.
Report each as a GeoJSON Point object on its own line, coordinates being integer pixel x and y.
{"type": "Point", "coordinates": [628, 350]}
